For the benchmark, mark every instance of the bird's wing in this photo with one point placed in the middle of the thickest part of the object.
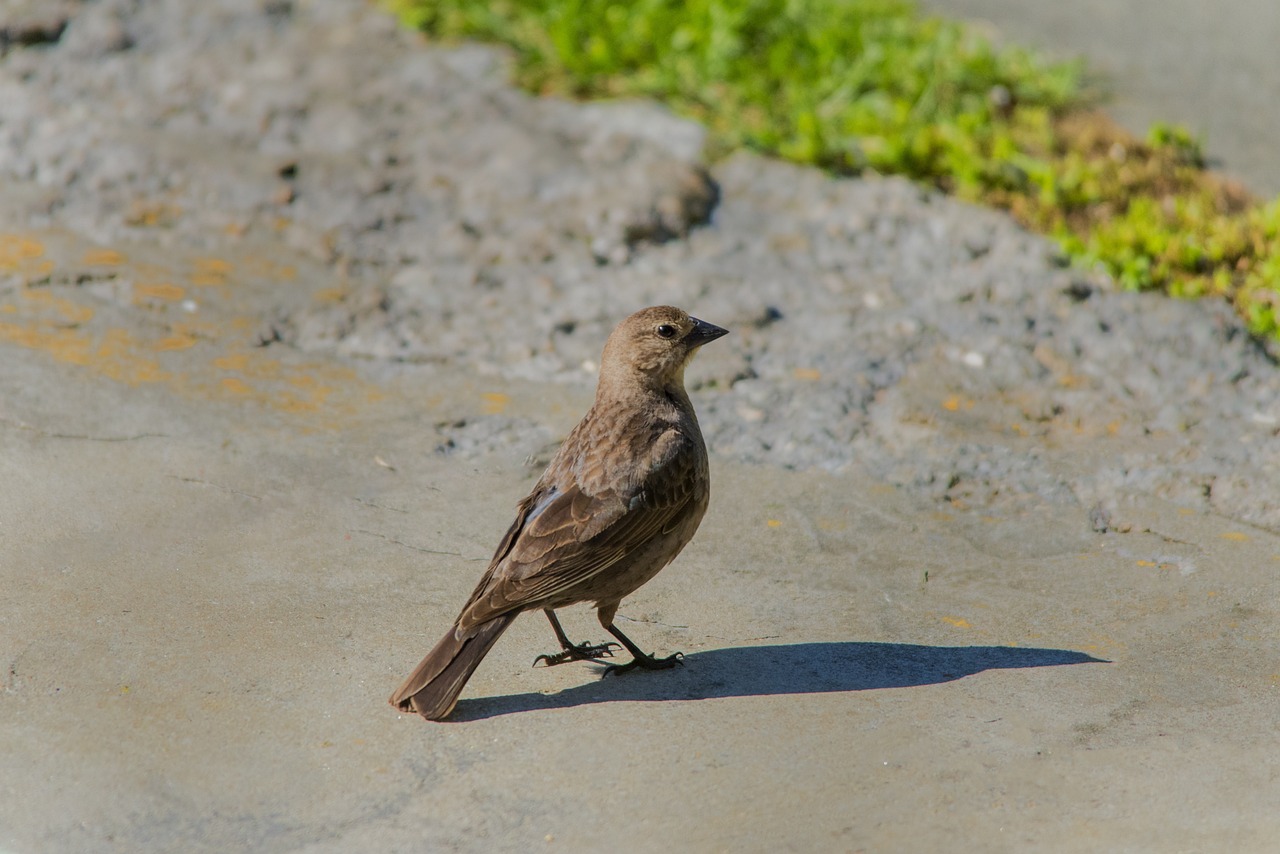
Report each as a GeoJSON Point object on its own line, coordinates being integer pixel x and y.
{"type": "Point", "coordinates": [560, 539]}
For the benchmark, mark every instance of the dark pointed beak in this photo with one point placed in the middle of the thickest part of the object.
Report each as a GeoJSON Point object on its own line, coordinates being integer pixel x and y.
{"type": "Point", "coordinates": [702, 333]}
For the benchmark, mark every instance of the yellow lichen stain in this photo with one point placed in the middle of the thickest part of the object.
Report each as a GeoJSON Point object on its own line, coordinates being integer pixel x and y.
{"type": "Point", "coordinates": [64, 345]}
{"type": "Point", "coordinates": [114, 357]}
{"type": "Point", "coordinates": [152, 213]}
{"type": "Point", "coordinates": [955, 403]}
{"type": "Point", "coordinates": [117, 358]}
{"type": "Point", "coordinates": [256, 265]}
{"type": "Point", "coordinates": [143, 272]}
{"type": "Point", "coordinates": [1071, 381]}
{"type": "Point", "coordinates": [809, 374]}
{"type": "Point", "coordinates": [958, 622]}
{"type": "Point", "coordinates": [314, 399]}
{"type": "Point", "coordinates": [210, 272]}
{"type": "Point", "coordinates": [234, 362]}
{"type": "Point", "coordinates": [330, 295]}
{"type": "Point", "coordinates": [302, 381]}
{"type": "Point", "coordinates": [1236, 537]}
{"type": "Point", "coordinates": [310, 386]}
{"type": "Point", "coordinates": [103, 258]}
{"type": "Point", "coordinates": [1146, 563]}
{"type": "Point", "coordinates": [266, 369]}
{"type": "Point", "coordinates": [17, 250]}
{"type": "Point", "coordinates": [40, 318]}
{"type": "Point", "coordinates": [73, 314]}
{"type": "Point", "coordinates": [157, 290]}
{"type": "Point", "coordinates": [773, 523]}
{"type": "Point", "coordinates": [174, 342]}
{"type": "Point", "coordinates": [249, 364]}
{"type": "Point", "coordinates": [312, 394]}
{"type": "Point", "coordinates": [494, 402]}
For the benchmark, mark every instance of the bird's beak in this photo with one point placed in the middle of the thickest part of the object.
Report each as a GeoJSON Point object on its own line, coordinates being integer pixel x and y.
{"type": "Point", "coordinates": [703, 332]}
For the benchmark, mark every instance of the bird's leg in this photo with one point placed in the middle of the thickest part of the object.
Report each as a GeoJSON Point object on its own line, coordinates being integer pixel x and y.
{"type": "Point", "coordinates": [572, 651]}
{"type": "Point", "coordinates": [638, 657]}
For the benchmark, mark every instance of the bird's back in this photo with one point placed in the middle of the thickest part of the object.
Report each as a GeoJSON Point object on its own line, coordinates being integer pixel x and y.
{"type": "Point", "coordinates": [620, 499]}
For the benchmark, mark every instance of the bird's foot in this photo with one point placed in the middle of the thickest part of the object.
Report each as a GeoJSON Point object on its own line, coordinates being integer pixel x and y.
{"type": "Point", "coordinates": [645, 662]}
{"type": "Point", "coordinates": [578, 652]}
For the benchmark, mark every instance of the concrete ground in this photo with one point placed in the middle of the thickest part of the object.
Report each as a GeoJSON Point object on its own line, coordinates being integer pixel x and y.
{"type": "Point", "coordinates": [220, 554]}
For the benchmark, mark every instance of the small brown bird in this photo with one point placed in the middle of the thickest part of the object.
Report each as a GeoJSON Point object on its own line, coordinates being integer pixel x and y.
{"type": "Point", "coordinates": [617, 503]}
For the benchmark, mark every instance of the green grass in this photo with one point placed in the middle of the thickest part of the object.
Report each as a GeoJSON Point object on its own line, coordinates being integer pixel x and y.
{"type": "Point", "coordinates": [849, 85]}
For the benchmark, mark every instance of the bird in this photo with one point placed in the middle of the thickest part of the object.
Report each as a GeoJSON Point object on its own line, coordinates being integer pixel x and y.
{"type": "Point", "coordinates": [621, 497]}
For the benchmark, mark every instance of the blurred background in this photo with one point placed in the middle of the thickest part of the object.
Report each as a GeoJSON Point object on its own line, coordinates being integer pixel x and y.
{"type": "Point", "coordinates": [1209, 66]}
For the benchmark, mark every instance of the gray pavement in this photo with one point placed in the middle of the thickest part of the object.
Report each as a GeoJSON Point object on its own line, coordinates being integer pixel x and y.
{"type": "Point", "coordinates": [1209, 66]}
{"type": "Point", "coordinates": [991, 562]}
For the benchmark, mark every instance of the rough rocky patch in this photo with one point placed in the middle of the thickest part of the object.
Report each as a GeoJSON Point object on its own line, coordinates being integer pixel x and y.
{"type": "Point", "coordinates": [876, 323]}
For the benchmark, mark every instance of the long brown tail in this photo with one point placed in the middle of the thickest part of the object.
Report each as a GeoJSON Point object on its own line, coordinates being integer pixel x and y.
{"type": "Point", "coordinates": [433, 687]}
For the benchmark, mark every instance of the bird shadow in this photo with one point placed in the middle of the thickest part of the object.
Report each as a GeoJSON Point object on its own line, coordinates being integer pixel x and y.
{"type": "Point", "coordinates": [803, 668]}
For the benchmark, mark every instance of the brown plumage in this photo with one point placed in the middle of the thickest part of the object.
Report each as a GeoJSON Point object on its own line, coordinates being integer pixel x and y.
{"type": "Point", "coordinates": [617, 503]}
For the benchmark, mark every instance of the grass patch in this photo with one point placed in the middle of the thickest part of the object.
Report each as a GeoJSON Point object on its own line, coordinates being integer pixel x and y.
{"type": "Point", "coordinates": [849, 85]}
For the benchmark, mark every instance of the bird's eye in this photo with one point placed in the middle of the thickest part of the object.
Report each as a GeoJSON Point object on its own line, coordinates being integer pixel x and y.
{"type": "Point", "coordinates": [666, 330]}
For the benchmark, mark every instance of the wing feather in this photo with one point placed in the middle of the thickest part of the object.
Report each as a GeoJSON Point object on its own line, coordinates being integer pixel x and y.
{"type": "Point", "coordinates": [574, 536]}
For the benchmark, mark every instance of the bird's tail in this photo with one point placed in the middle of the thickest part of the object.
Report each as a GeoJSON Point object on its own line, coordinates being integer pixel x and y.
{"type": "Point", "coordinates": [433, 687]}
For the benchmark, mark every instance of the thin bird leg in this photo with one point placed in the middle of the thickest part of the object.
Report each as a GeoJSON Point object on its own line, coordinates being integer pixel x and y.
{"type": "Point", "coordinates": [639, 659]}
{"type": "Point", "coordinates": [572, 651]}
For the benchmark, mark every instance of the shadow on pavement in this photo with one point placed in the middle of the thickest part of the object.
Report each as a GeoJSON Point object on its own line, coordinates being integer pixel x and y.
{"type": "Point", "coordinates": [805, 668]}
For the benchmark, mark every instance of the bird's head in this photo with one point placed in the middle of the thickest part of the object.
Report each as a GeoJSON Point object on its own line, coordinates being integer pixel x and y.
{"type": "Point", "coordinates": [653, 346]}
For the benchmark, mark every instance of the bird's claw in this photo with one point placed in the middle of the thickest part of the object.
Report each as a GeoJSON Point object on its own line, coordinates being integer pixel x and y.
{"type": "Point", "coordinates": [646, 662]}
{"type": "Point", "coordinates": [581, 652]}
